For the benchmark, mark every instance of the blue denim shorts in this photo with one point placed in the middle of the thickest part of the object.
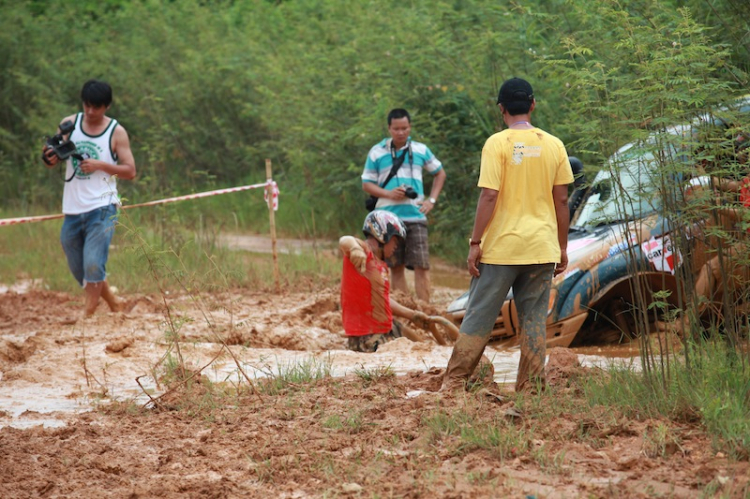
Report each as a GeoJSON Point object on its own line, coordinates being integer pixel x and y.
{"type": "Point", "coordinates": [85, 240]}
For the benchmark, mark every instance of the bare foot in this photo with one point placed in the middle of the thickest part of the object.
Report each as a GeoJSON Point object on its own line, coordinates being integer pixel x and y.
{"type": "Point", "coordinates": [108, 294]}
{"type": "Point", "coordinates": [115, 306]}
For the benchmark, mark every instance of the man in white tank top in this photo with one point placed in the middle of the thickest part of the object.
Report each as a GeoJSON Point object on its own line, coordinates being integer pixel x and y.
{"type": "Point", "coordinates": [90, 199]}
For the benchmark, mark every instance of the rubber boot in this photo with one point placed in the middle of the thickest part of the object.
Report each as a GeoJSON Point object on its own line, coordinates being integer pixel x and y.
{"type": "Point", "coordinates": [531, 365]}
{"type": "Point", "coordinates": [466, 354]}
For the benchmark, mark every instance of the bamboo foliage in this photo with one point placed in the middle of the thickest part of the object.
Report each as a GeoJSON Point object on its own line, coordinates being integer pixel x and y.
{"type": "Point", "coordinates": [209, 89]}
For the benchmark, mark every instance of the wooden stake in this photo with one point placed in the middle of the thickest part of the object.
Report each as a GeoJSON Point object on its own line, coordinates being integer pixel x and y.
{"type": "Point", "coordinates": [315, 237]}
{"type": "Point", "coordinates": [272, 220]}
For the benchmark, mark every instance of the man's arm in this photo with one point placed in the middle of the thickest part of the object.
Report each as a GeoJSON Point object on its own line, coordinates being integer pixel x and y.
{"type": "Point", "coordinates": [373, 189]}
{"type": "Point", "coordinates": [560, 198]}
{"type": "Point", "coordinates": [485, 210]}
{"type": "Point", "coordinates": [727, 214]}
{"type": "Point", "coordinates": [725, 184]}
{"type": "Point", "coordinates": [401, 311]}
{"type": "Point", "coordinates": [437, 185]}
{"type": "Point", "coordinates": [125, 167]}
{"type": "Point", "coordinates": [418, 318]}
{"type": "Point", "coordinates": [351, 247]}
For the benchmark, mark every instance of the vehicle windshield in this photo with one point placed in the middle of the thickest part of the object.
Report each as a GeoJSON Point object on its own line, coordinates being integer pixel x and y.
{"type": "Point", "coordinates": [621, 192]}
{"type": "Point", "coordinates": [627, 188]}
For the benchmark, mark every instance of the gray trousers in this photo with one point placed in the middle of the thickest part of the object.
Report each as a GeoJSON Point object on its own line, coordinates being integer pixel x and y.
{"type": "Point", "coordinates": [487, 293]}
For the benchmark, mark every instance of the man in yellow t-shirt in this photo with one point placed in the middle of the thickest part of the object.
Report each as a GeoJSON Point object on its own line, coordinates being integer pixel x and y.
{"type": "Point", "coordinates": [520, 237]}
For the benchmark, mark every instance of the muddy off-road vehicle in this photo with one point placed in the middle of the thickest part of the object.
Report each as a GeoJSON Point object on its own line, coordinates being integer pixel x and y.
{"type": "Point", "coordinates": [619, 245]}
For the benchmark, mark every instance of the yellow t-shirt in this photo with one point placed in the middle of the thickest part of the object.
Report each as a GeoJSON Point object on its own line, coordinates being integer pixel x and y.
{"type": "Point", "coordinates": [523, 166]}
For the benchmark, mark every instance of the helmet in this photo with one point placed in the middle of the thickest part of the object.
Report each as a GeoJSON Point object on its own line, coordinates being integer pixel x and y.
{"type": "Point", "coordinates": [382, 225]}
{"type": "Point", "coordinates": [577, 166]}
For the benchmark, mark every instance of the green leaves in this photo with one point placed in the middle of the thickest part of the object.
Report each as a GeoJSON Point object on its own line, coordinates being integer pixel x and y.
{"type": "Point", "coordinates": [208, 90]}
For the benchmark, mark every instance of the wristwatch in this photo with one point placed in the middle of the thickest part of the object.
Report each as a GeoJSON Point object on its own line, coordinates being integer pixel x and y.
{"type": "Point", "coordinates": [432, 200]}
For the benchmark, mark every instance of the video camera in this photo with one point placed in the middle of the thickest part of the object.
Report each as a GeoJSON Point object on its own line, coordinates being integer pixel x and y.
{"type": "Point", "coordinates": [63, 148]}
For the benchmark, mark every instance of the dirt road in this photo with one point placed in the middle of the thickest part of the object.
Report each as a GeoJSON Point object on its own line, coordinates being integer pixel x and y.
{"type": "Point", "coordinates": [360, 433]}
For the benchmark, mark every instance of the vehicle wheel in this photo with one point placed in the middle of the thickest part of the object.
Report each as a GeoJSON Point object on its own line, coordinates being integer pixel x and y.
{"type": "Point", "coordinates": [621, 313]}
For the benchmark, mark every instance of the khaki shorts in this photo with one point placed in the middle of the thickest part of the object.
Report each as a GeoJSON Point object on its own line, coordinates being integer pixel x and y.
{"type": "Point", "coordinates": [416, 252]}
{"type": "Point", "coordinates": [369, 343]}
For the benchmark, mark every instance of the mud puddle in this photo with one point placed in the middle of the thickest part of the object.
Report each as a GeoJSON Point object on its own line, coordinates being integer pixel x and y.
{"type": "Point", "coordinates": [378, 439]}
{"type": "Point", "coordinates": [24, 404]}
{"type": "Point", "coordinates": [51, 369]}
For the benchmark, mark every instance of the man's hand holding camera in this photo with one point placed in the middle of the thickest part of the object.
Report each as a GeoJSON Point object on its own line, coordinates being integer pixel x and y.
{"type": "Point", "coordinates": [406, 191]}
{"type": "Point", "coordinates": [49, 157]}
{"type": "Point", "coordinates": [59, 146]}
{"type": "Point", "coordinates": [399, 193]}
{"type": "Point", "coordinates": [403, 191]}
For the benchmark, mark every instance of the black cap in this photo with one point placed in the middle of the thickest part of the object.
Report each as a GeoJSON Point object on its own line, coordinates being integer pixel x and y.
{"type": "Point", "coordinates": [515, 90]}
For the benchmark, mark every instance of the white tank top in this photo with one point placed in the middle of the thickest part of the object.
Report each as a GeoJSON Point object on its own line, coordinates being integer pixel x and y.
{"type": "Point", "coordinates": [86, 192]}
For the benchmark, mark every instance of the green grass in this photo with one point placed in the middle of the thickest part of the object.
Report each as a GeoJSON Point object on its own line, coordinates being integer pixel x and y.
{"type": "Point", "coordinates": [294, 375]}
{"type": "Point", "coordinates": [176, 252]}
{"type": "Point", "coordinates": [713, 389]}
{"type": "Point", "coordinates": [33, 251]}
{"type": "Point", "coordinates": [352, 423]}
{"type": "Point", "coordinates": [370, 376]}
{"type": "Point", "coordinates": [465, 431]}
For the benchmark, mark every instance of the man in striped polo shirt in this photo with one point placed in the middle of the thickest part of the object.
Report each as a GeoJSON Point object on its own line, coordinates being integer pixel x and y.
{"type": "Point", "coordinates": [403, 195]}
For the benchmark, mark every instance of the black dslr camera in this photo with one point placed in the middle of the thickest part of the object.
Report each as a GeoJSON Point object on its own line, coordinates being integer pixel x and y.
{"type": "Point", "coordinates": [410, 193]}
{"type": "Point", "coordinates": [63, 148]}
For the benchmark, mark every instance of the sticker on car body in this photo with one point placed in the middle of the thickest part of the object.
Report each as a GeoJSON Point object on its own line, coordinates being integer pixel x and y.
{"type": "Point", "coordinates": [622, 245]}
{"type": "Point", "coordinates": [577, 244]}
{"type": "Point", "coordinates": [662, 254]}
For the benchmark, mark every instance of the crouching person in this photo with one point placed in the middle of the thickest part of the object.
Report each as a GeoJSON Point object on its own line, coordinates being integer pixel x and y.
{"type": "Point", "coordinates": [365, 285]}
{"type": "Point", "coordinates": [366, 306]}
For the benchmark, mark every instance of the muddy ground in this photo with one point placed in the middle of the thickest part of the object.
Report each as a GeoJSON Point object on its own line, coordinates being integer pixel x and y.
{"type": "Point", "coordinates": [376, 428]}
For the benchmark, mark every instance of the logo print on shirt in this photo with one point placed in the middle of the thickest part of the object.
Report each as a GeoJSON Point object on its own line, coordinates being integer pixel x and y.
{"type": "Point", "coordinates": [87, 150]}
{"type": "Point", "coordinates": [520, 151]}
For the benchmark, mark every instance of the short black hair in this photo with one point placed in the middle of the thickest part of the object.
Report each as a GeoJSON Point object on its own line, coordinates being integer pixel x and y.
{"type": "Point", "coordinates": [397, 114]}
{"type": "Point", "coordinates": [96, 93]}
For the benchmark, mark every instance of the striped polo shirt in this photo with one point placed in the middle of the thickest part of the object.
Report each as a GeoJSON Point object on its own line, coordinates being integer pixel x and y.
{"type": "Point", "coordinates": [378, 166]}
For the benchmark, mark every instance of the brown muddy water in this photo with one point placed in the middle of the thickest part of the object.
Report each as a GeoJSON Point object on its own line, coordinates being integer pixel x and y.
{"type": "Point", "coordinates": [26, 403]}
{"type": "Point", "coordinates": [52, 367]}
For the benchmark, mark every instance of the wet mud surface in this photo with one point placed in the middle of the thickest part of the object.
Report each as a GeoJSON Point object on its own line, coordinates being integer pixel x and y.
{"type": "Point", "coordinates": [348, 435]}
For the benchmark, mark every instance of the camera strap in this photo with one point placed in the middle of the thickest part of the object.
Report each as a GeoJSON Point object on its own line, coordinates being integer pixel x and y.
{"type": "Point", "coordinates": [397, 162]}
{"type": "Point", "coordinates": [72, 175]}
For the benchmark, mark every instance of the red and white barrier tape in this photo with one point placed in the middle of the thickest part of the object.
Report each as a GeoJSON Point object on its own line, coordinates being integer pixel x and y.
{"type": "Point", "coordinates": [23, 220]}
{"type": "Point", "coordinates": [273, 189]}
{"type": "Point", "coordinates": [269, 186]}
